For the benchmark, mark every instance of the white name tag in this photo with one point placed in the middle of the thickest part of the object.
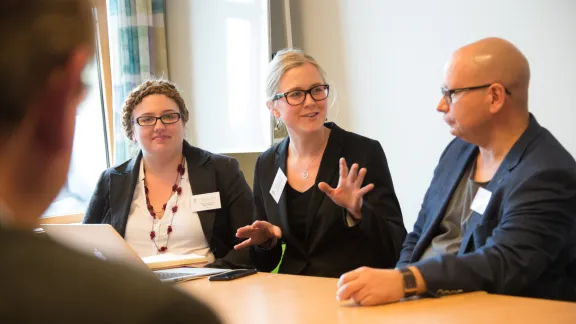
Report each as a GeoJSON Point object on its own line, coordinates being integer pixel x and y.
{"type": "Point", "coordinates": [278, 185]}
{"type": "Point", "coordinates": [207, 201]}
{"type": "Point", "coordinates": [481, 201]}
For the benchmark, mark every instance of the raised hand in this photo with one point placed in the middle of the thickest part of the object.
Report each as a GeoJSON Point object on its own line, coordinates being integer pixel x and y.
{"type": "Point", "coordinates": [348, 194]}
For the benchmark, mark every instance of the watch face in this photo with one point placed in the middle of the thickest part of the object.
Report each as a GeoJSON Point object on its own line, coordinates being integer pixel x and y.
{"type": "Point", "coordinates": [409, 279]}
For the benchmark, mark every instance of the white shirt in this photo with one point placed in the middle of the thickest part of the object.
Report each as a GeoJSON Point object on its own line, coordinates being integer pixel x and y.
{"type": "Point", "coordinates": [187, 235]}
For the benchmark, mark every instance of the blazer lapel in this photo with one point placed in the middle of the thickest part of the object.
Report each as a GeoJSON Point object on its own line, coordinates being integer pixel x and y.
{"type": "Point", "coordinates": [327, 172]}
{"type": "Point", "coordinates": [202, 180]}
{"type": "Point", "coordinates": [122, 185]}
{"type": "Point", "coordinates": [280, 164]}
{"type": "Point", "coordinates": [510, 162]}
{"type": "Point", "coordinates": [444, 191]}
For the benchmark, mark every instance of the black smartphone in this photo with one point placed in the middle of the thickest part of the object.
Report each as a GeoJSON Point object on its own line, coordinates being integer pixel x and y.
{"type": "Point", "coordinates": [233, 274]}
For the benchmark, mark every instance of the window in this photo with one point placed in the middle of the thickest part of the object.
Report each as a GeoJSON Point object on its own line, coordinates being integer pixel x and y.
{"type": "Point", "coordinates": [89, 153]}
{"type": "Point", "coordinates": [218, 52]}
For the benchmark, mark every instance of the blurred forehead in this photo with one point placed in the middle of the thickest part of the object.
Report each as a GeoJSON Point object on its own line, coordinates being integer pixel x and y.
{"type": "Point", "coordinates": [155, 104]}
{"type": "Point", "coordinates": [471, 65]}
{"type": "Point", "coordinates": [302, 77]}
{"type": "Point", "coordinates": [461, 71]}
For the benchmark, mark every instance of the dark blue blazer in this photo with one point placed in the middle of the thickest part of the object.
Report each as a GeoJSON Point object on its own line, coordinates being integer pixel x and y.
{"type": "Point", "coordinates": [524, 244]}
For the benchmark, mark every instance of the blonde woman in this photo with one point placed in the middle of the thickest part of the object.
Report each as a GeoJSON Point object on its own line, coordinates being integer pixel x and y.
{"type": "Point", "coordinates": [149, 199]}
{"type": "Point", "coordinates": [324, 192]}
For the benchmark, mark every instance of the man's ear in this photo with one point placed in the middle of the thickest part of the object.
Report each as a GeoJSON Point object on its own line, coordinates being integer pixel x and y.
{"type": "Point", "coordinates": [497, 94]}
{"type": "Point", "coordinates": [56, 104]}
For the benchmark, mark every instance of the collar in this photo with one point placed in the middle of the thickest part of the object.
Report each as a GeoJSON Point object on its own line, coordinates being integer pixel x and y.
{"type": "Point", "coordinates": [141, 173]}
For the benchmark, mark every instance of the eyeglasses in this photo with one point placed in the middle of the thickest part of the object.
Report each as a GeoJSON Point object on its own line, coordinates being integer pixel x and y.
{"type": "Point", "coordinates": [170, 118]}
{"type": "Point", "coordinates": [448, 93]}
{"type": "Point", "coordinates": [297, 97]}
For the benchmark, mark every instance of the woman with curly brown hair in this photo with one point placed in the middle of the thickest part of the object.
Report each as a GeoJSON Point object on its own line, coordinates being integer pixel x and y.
{"type": "Point", "coordinates": [172, 197]}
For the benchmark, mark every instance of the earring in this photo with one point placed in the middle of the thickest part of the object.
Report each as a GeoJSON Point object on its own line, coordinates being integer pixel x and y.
{"type": "Point", "coordinates": [277, 126]}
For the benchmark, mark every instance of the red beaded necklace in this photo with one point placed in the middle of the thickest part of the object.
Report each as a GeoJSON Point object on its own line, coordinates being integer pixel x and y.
{"type": "Point", "coordinates": [178, 190]}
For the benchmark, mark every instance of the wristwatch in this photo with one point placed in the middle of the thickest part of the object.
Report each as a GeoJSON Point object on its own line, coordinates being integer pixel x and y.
{"type": "Point", "coordinates": [409, 282]}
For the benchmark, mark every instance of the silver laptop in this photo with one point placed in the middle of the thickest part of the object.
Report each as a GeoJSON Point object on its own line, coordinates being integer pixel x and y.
{"type": "Point", "coordinates": [102, 241]}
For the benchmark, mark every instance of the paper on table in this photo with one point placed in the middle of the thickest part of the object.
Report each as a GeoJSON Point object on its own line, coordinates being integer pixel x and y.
{"type": "Point", "coordinates": [169, 260]}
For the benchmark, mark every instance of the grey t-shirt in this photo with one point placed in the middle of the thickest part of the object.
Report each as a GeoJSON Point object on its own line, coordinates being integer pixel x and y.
{"type": "Point", "coordinates": [456, 217]}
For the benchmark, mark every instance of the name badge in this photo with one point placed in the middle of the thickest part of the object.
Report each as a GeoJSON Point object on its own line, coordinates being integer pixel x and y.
{"type": "Point", "coordinates": [278, 185]}
{"type": "Point", "coordinates": [481, 201]}
{"type": "Point", "coordinates": [206, 201]}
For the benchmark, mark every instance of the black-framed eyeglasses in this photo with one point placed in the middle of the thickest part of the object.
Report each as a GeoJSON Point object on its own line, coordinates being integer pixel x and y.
{"type": "Point", "coordinates": [170, 118]}
{"type": "Point", "coordinates": [297, 97]}
{"type": "Point", "coordinates": [448, 93]}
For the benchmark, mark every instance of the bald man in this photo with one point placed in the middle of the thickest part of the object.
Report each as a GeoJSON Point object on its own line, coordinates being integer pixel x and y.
{"type": "Point", "coordinates": [500, 213]}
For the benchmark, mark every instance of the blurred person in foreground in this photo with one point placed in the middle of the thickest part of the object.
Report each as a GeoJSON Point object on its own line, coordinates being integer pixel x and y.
{"type": "Point", "coordinates": [44, 47]}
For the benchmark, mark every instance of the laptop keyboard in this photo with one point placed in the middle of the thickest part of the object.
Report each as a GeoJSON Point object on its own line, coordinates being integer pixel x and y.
{"type": "Point", "coordinates": [170, 275]}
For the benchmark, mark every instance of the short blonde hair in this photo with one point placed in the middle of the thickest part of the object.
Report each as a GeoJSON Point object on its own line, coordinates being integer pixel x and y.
{"type": "Point", "coordinates": [283, 61]}
{"type": "Point", "coordinates": [148, 88]}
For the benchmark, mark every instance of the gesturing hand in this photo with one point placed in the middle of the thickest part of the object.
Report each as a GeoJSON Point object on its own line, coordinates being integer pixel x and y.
{"type": "Point", "coordinates": [257, 233]}
{"type": "Point", "coordinates": [348, 194]}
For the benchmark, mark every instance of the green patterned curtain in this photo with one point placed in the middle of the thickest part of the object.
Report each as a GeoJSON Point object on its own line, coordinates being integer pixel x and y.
{"type": "Point", "coordinates": [137, 37]}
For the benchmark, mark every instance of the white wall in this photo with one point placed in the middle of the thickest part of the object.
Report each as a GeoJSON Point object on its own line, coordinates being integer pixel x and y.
{"type": "Point", "coordinates": [386, 59]}
{"type": "Point", "coordinates": [217, 55]}
{"type": "Point", "coordinates": [201, 63]}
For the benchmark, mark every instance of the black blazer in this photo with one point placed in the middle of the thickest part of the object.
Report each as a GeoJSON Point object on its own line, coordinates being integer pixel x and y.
{"type": "Point", "coordinates": [332, 247]}
{"type": "Point", "coordinates": [524, 243]}
{"type": "Point", "coordinates": [92, 291]}
{"type": "Point", "coordinates": [208, 173]}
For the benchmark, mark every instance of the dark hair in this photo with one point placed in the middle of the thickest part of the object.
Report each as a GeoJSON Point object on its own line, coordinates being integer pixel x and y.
{"type": "Point", "coordinates": [37, 37]}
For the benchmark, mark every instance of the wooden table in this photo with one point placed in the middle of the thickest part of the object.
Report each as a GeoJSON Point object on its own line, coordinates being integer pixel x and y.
{"type": "Point", "coordinates": [273, 298]}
